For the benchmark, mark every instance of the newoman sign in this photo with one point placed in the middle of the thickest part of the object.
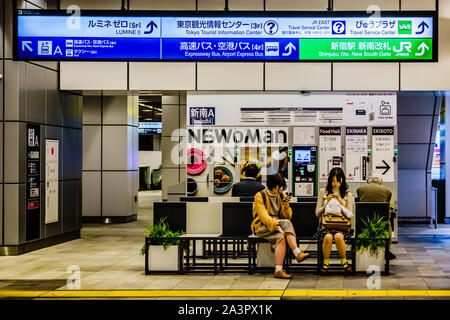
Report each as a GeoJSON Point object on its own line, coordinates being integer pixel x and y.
{"type": "Point", "coordinates": [220, 36]}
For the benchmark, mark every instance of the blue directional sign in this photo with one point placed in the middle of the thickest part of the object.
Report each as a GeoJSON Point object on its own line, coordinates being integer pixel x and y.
{"type": "Point", "coordinates": [195, 36]}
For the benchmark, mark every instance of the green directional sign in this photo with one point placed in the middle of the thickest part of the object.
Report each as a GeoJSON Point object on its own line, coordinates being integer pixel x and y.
{"type": "Point", "coordinates": [362, 49]}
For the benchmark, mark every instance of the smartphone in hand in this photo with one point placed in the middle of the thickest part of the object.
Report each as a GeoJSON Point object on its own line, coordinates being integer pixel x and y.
{"type": "Point", "coordinates": [288, 196]}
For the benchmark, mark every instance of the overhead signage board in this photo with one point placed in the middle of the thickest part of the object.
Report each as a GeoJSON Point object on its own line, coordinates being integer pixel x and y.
{"type": "Point", "coordinates": [237, 36]}
{"type": "Point", "coordinates": [383, 152]}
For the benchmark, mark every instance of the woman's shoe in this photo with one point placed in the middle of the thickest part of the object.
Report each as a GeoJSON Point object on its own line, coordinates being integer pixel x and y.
{"type": "Point", "coordinates": [324, 269]}
{"type": "Point", "coordinates": [302, 256]}
{"type": "Point", "coordinates": [281, 275]}
{"type": "Point", "coordinates": [347, 267]}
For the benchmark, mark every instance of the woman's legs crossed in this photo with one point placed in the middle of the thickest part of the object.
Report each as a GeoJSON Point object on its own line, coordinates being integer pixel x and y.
{"type": "Point", "coordinates": [292, 241]}
{"type": "Point", "coordinates": [280, 252]}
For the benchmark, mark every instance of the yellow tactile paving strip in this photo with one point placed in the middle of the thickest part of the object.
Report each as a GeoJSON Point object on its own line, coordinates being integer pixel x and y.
{"type": "Point", "coordinates": [221, 293]}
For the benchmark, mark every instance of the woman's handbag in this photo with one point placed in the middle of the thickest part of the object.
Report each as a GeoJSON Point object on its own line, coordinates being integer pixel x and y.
{"type": "Point", "coordinates": [333, 217]}
{"type": "Point", "coordinates": [336, 223]}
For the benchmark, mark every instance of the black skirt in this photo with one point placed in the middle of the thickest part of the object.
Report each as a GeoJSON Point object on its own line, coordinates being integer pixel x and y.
{"type": "Point", "coordinates": [320, 233]}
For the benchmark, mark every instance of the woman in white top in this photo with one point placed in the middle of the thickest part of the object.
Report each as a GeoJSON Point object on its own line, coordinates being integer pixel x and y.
{"type": "Point", "coordinates": [336, 188]}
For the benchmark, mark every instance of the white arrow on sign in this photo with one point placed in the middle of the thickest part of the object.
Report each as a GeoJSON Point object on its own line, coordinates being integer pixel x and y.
{"type": "Point", "coordinates": [422, 47]}
{"type": "Point", "coordinates": [289, 47]}
{"type": "Point", "coordinates": [26, 44]}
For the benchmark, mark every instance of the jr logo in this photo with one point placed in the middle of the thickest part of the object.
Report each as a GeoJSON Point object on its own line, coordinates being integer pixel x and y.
{"type": "Point", "coordinates": [403, 46]}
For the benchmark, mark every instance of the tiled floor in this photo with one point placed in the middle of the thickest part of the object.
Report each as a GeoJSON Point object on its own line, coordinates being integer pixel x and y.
{"type": "Point", "coordinates": [108, 257]}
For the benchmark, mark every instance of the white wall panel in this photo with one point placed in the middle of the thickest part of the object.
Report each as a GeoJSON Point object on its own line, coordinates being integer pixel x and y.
{"type": "Point", "coordinates": [298, 76]}
{"type": "Point", "coordinates": [92, 110]}
{"type": "Point", "coordinates": [117, 195]}
{"type": "Point", "coordinates": [15, 87]}
{"type": "Point", "coordinates": [362, 5]}
{"type": "Point", "coordinates": [431, 76]}
{"type": "Point", "coordinates": [11, 214]}
{"type": "Point", "coordinates": [115, 147]}
{"type": "Point", "coordinates": [250, 5]}
{"type": "Point", "coordinates": [171, 152]}
{"type": "Point", "coordinates": [171, 120]}
{"type": "Point", "coordinates": [115, 110]}
{"type": "Point", "coordinates": [365, 76]}
{"type": "Point", "coordinates": [91, 147]}
{"type": "Point", "coordinates": [411, 193]}
{"type": "Point", "coordinates": [169, 178]}
{"type": "Point", "coordinates": [91, 194]}
{"type": "Point", "coordinates": [171, 99]}
{"type": "Point", "coordinates": [229, 76]}
{"type": "Point", "coordinates": [13, 161]}
{"type": "Point", "coordinates": [93, 76]}
{"type": "Point", "coordinates": [162, 4]}
{"type": "Point", "coordinates": [162, 76]}
{"type": "Point", "coordinates": [8, 28]}
{"type": "Point", "coordinates": [299, 5]}
{"type": "Point", "coordinates": [414, 129]}
{"type": "Point", "coordinates": [95, 5]}
{"type": "Point", "coordinates": [211, 4]}
{"type": "Point", "coordinates": [203, 218]}
{"type": "Point", "coordinates": [418, 5]}
{"type": "Point", "coordinates": [413, 156]}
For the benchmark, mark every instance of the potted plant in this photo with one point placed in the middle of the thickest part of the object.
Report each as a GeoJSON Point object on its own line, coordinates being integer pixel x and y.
{"type": "Point", "coordinates": [162, 254]}
{"type": "Point", "coordinates": [371, 243]}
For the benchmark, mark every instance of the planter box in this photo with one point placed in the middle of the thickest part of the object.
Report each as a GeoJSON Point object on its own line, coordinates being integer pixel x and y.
{"type": "Point", "coordinates": [364, 260]}
{"type": "Point", "coordinates": [265, 257]}
{"type": "Point", "coordinates": [163, 260]}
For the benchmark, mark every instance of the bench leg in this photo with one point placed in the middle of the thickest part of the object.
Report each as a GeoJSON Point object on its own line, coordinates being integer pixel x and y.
{"type": "Point", "coordinates": [215, 255]}
{"type": "Point", "coordinates": [250, 254]}
{"type": "Point", "coordinates": [319, 255]}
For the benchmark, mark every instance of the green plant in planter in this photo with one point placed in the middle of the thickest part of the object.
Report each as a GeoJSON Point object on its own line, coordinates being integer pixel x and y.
{"type": "Point", "coordinates": [162, 230]}
{"type": "Point", "coordinates": [375, 229]}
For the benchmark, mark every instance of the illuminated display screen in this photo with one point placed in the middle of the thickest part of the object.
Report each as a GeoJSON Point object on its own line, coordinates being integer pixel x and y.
{"type": "Point", "coordinates": [302, 156]}
{"type": "Point", "coordinates": [237, 36]}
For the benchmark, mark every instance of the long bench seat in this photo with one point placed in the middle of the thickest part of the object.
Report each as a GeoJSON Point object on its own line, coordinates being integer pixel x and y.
{"type": "Point", "coordinates": [230, 222]}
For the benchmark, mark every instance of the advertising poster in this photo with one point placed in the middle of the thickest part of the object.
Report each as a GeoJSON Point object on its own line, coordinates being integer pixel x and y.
{"type": "Point", "coordinates": [51, 180]}
{"type": "Point", "coordinates": [198, 170]}
{"type": "Point", "coordinates": [383, 144]}
{"type": "Point", "coordinates": [329, 150]}
{"type": "Point", "coordinates": [356, 154]}
{"type": "Point", "coordinates": [33, 213]}
{"type": "Point", "coordinates": [224, 169]}
{"type": "Point", "coordinates": [277, 159]}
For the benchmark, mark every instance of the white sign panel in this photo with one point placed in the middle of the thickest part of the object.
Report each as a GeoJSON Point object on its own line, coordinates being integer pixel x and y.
{"type": "Point", "coordinates": [356, 154]}
{"type": "Point", "coordinates": [329, 150]}
{"type": "Point", "coordinates": [304, 189]}
{"type": "Point", "coordinates": [51, 180]}
{"type": "Point", "coordinates": [383, 144]}
{"type": "Point", "coordinates": [292, 116]}
{"type": "Point", "coordinates": [304, 136]}
{"type": "Point", "coordinates": [293, 109]}
{"type": "Point", "coordinates": [370, 109]}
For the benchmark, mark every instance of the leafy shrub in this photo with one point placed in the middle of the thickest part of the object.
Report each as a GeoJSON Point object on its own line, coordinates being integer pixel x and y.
{"type": "Point", "coordinates": [162, 230]}
{"type": "Point", "coordinates": [371, 237]}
